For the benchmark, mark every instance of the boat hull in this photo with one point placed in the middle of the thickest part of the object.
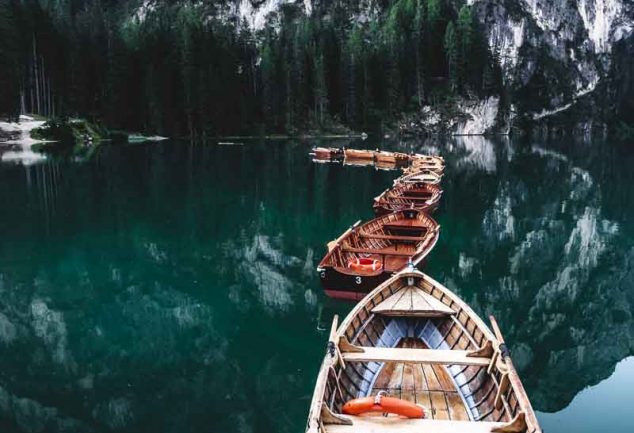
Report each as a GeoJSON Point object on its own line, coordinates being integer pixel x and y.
{"type": "Point", "coordinates": [342, 286]}
{"type": "Point", "coordinates": [327, 153]}
{"type": "Point", "coordinates": [339, 285]}
{"type": "Point", "coordinates": [353, 154]}
{"type": "Point", "coordinates": [395, 158]}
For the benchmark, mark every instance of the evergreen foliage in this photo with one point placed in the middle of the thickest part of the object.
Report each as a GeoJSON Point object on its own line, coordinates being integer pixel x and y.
{"type": "Point", "coordinates": [9, 61]}
{"type": "Point", "coordinates": [175, 69]}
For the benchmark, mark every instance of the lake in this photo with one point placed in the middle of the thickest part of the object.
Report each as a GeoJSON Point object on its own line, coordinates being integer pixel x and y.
{"type": "Point", "coordinates": [171, 287]}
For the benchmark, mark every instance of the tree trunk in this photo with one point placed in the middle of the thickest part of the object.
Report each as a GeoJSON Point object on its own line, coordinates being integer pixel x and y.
{"type": "Point", "coordinates": [37, 79]}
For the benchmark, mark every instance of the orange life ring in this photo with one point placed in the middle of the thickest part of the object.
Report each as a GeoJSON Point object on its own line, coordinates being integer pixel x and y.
{"type": "Point", "coordinates": [364, 264]}
{"type": "Point", "coordinates": [382, 404]}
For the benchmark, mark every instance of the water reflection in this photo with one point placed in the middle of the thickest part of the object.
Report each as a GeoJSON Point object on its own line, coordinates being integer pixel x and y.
{"type": "Point", "coordinates": [171, 287]}
{"type": "Point", "coordinates": [545, 260]}
{"type": "Point", "coordinates": [476, 152]}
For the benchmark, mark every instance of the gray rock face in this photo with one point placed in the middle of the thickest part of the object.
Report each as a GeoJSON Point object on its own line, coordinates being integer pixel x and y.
{"type": "Point", "coordinates": [554, 53]}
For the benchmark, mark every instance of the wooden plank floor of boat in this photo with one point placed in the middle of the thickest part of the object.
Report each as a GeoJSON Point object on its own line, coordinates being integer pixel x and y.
{"type": "Point", "coordinates": [429, 385]}
{"type": "Point", "coordinates": [405, 224]}
{"type": "Point", "coordinates": [394, 264]}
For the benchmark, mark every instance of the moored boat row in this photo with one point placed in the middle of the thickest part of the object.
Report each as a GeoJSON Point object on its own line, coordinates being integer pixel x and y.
{"type": "Point", "coordinates": [403, 231]}
{"type": "Point", "coordinates": [379, 158]}
{"type": "Point", "coordinates": [411, 356]}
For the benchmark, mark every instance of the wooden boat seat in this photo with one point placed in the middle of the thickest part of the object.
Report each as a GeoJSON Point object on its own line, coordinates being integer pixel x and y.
{"type": "Point", "coordinates": [416, 192]}
{"type": "Point", "coordinates": [405, 225]}
{"type": "Point", "coordinates": [392, 237]}
{"type": "Point", "coordinates": [389, 251]}
{"type": "Point", "coordinates": [423, 356]}
{"type": "Point", "coordinates": [415, 178]}
{"type": "Point", "coordinates": [421, 197]}
{"type": "Point", "coordinates": [403, 425]}
{"type": "Point", "coordinates": [412, 223]}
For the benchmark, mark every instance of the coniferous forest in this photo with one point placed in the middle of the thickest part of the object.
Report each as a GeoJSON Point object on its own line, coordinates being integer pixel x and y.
{"type": "Point", "coordinates": [179, 68]}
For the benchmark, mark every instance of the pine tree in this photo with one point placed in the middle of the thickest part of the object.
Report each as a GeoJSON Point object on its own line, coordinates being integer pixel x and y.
{"type": "Point", "coordinates": [320, 92]}
{"type": "Point", "coordinates": [420, 41]}
{"type": "Point", "coordinates": [269, 91]}
{"type": "Point", "coordinates": [434, 10]}
{"type": "Point", "coordinates": [434, 41]}
{"type": "Point", "coordinates": [393, 32]}
{"type": "Point", "coordinates": [188, 27]}
{"type": "Point", "coordinates": [353, 66]}
{"type": "Point", "coordinates": [465, 46]}
{"type": "Point", "coordinates": [451, 53]}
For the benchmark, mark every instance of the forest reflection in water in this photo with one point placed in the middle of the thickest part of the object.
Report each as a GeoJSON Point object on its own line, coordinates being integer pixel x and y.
{"type": "Point", "coordinates": [171, 287]}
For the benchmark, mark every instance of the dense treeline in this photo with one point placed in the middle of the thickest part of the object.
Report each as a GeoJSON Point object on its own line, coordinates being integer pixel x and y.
{"type": "Point", "coordinates": [173, 68]}
{"type": "Point", "coordinates": [9, 61]}
{"type": "Point", "coordinates": [419, 53]}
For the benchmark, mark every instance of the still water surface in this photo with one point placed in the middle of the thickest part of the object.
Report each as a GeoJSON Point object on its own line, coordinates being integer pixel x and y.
{"type": "Point", "coordinates": [171, 287]}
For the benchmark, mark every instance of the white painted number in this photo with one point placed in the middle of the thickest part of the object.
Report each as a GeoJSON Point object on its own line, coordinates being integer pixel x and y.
{"type": "Point", "coordinates": [358, 280]}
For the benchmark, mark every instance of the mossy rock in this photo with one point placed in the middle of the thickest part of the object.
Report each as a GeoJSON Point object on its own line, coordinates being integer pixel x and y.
{"type": "Point", "coordinates": [55, 130]}
{"type": "Point", "coordinates": [69, 132]}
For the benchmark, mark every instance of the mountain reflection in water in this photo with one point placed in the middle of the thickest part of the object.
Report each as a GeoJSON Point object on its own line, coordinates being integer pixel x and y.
{"type": "Point", "coordinates": [549, 255]}
{"type": "Point", "coordinates": [171, 287]}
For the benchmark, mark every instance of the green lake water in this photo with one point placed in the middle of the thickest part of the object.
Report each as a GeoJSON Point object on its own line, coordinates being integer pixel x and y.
{"type": "Point", "coordinates": [171, 287]}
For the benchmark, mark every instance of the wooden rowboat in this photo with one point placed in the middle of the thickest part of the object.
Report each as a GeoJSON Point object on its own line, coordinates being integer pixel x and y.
{"type": "Point", "coordinates": [425, 176]}
{"type": "Point", "coordinates": [440, 169]}
{"type": "Point", "coordinates": [359, 154]}
{"type": "Point", "coordinates": [366, 255]}
{"type": "Point", "coordinates": [416, 158]}
{"type": "Point", "coordinates": [398, 158]}
{"type": "Point", "coordinates": [358, 162]}
{"type": "Point", "coordinates": [432, 166]}
{"type": "Point", "coordinates": [327, 153]}
{"type": "Point", "coordinates": [424, 162]}
{"type": "Point", "coordinates": [415, 341]}
{"type": "Point", "coordinates": [420, 196]}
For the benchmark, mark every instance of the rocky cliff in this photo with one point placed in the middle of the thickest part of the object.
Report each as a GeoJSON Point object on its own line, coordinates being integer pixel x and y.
{"type": "Point", "coordinates": [559, 57]}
